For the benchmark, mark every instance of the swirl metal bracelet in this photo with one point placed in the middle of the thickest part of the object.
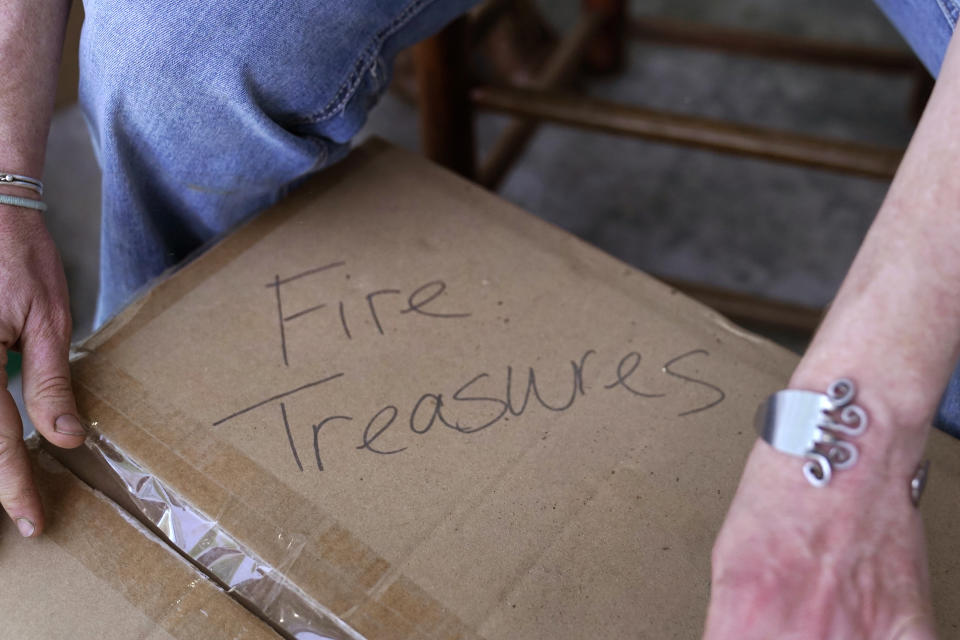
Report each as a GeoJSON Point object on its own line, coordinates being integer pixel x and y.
{"type": "Point", "coordinates": [813, 426]}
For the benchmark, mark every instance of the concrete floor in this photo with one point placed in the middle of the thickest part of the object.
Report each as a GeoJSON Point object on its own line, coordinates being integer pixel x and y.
{"type": "Point", "coordinates": [778, 231]}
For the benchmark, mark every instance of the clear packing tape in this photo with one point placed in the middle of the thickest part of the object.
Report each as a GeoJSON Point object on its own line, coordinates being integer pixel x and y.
{"type": "Point", "coordinates": [261, 587]}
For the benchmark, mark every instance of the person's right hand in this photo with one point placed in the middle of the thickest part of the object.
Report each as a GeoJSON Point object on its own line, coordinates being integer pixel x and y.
{"type": "Point", "coordinates": [34, 319]}
{"type": "Point", "coordinates": [793, 562]}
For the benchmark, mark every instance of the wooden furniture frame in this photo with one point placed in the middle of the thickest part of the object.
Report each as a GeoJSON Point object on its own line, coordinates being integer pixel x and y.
{"type": "Point", "coordinates": [448, 100]}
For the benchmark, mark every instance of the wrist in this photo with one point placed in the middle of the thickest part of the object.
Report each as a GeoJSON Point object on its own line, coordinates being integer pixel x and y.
{"type": "Point", "coordinates": [21, 226]}
{"type": "Point", "coordinates": [17, 192]}
{"type": "Point", "coordinates": [888, 449]}
{"type": "Point", "coordinates": [775, 473]}
{"type": "Point", "coordinates": [897, 396]}
{"type": "Point", "coordinates": [21, 201]}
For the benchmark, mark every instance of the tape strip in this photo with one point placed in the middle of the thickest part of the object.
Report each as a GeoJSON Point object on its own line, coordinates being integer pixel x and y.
{"type": "Point", "coordinates": [171, 593]}
{"type": "Point", "coordinates": [260, 586]}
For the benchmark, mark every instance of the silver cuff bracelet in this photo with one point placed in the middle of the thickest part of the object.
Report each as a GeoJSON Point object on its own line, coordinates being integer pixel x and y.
{"type": "Point", "coordinates": [812, 425]}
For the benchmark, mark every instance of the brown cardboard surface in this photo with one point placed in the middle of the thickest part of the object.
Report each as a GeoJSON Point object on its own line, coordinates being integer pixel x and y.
{"type": "Point", "coordinates": [591, 428]}
{"type": "Point", "coordinates": [95, 574]}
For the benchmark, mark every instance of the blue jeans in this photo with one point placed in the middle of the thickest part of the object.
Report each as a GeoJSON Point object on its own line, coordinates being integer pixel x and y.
{"type": "Point", "coordinates": [204, 113]}
{"type": "Point", "coordinates": [927, 26]}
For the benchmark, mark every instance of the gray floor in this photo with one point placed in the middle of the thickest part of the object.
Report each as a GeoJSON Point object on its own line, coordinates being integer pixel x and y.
{"type": "Point", "coordinates": [783, 232]}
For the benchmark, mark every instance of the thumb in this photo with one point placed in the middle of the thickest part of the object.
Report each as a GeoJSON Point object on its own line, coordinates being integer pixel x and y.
{"type": "Point", "coordinates": [47, 391]}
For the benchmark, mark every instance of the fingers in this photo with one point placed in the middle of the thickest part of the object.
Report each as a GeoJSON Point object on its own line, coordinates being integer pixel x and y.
{"type": "Point", "coordinates": [18, 494]}
{"type": "Point", "coordinates": [47, 391]}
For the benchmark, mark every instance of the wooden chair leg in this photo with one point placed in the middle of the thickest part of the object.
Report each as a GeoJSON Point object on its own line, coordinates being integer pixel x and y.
{"type": "Point", "coordinates": [607, 53]}
{"type": "Point", "coordinates": [446, 115]}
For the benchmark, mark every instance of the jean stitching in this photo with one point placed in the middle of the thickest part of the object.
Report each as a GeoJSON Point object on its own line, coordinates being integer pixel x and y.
{"type": "Point", "coordinates": [362, 65]}
{"type": "Point", "coordinates": [950, 11]}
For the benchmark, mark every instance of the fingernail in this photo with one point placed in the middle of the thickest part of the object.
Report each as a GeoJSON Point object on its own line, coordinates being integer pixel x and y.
{"type": "Point", "coordinates": [69, 426]}
{"type": "Point", "coordinates": [26, 527]}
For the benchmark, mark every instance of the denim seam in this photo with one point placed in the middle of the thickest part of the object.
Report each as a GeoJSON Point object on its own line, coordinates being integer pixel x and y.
{"type": "Point", "coordinates": [950, 11]}
{"type": "Point", "coordinates": [362, 66]}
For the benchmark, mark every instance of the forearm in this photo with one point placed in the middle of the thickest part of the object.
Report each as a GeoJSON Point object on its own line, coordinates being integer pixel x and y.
{"type": "Point", "coordinates": [848, 560]}
{"type": "Point", "coordinates": [895, 323]}
{"type": "Point", "coordinates": [34, 312]}
{"type": "Point", "coordinates": [31, 40]}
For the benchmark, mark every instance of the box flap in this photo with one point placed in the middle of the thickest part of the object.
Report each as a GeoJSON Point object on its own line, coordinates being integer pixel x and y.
{"type": "Point", "coordinates": [96, 573]}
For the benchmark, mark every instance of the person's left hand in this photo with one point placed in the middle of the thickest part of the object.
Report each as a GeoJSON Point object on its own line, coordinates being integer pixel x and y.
{"type": "Point", "coordinates": [843, 562]}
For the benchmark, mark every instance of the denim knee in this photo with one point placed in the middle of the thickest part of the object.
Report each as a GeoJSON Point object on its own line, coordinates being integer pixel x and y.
{"type": "Point", "coordinates": [204, 113]}
{"type": "Point", "coordinates": [926, 25]}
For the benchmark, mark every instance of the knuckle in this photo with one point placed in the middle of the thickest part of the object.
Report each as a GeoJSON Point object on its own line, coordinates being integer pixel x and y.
{"type": "Point", "coordinates": [55, 324]}
{"type": "Point", "coordinates": [51, 389]}
{"type": "Point", "coordinates": [19, 498]}
{"type": "Point", "coordinates": [9, 448]}
{"type": "Point", "coordinates": [48, 318]}
{"type": "Point", "coordinates": [17, 491]}
{"type": "Point", "coordinates": [60, 324]}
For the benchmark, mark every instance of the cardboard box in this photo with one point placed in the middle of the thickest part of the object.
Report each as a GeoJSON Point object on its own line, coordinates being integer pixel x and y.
{"type": "Point", "coordinates": [426, 414]}
{"type": "Point", "coordinates": [97, 573]}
